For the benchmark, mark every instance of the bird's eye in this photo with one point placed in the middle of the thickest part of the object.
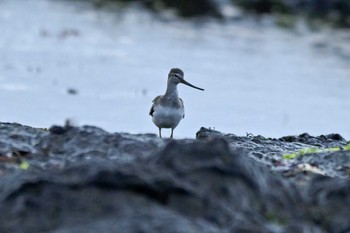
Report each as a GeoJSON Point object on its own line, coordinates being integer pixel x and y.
{"type": "Point", "coordinates": [177, 76]}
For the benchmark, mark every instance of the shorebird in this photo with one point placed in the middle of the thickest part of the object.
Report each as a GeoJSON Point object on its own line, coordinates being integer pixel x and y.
{"type": "Point", "coordinates": [168, 110]}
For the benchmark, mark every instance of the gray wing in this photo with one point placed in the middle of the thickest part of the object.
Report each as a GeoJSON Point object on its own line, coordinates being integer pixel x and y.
{"type": "Point", "coordinates": [151, 111]}
{"type": "Point", "coordinates": [182, 104]}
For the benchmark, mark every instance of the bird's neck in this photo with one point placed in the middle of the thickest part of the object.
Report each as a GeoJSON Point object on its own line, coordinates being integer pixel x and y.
{"type": "Point", "coordinates": [171, 90]}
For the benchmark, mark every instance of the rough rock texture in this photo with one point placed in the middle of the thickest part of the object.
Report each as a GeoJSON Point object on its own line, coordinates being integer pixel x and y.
{"type": "Point", "coordinates": [270, 151]}
{"type": "Point", "coordinates": [83, 179]}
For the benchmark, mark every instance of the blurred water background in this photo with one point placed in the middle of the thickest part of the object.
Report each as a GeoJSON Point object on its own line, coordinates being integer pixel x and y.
{"type": "Point", "coordinates": [103, 66]}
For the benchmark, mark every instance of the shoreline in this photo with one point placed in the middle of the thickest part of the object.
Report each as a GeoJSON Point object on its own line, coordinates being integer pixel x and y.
{"type": "Point", "coordinates": [334, 14]}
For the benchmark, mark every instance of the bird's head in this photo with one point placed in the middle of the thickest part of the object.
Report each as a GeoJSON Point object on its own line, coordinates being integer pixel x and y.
{"type": "Point", "coordinates": [176, 76]}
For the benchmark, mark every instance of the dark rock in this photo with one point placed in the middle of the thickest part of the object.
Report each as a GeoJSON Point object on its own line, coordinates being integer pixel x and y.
{"type": "Point", "coordinates": [55, 129]}
{"type": "Point", "coordinates": [72, 91]}
{"type": "Point", "coordinates": [84, 179]}
{"type": "Point", "coordinates": [289, 138]}
{"type": "Point", "coordinates": [271, 152]}
{"type": "Point", "coordinates": [265, 6]}
{"type": "Point", "coordinates": [18, 139]}
{"type": "Point", "coordinates": [329, 197]}
{"type": "Point", "coordinates": [335, 136]}
{"type": "Point", "coordinates": [335, 11]}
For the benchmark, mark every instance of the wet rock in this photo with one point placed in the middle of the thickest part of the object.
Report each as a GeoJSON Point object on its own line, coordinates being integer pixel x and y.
{"type": "Point", "coordinates": [73, 143]}
{"type": "Point", "coordinates": [272, 152]}
{"type": "Point", "coordinates": [165, 193]}
{"type": "Point", "coordinates": [16, 137]}
{"type": "Point", "coordinates": [72, 91]}
{"type": "Point", "coordinates": [329, 197]}
{"type": "Point", "coordinates": [84, 179]}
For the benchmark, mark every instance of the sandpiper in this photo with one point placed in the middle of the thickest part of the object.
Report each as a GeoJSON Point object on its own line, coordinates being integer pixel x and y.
{"type": "Point", "coordinates": [168, 110]}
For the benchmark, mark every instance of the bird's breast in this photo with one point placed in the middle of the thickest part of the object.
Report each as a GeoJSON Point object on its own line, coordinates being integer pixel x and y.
{"type": "Point", "coordinates": [167, 117]}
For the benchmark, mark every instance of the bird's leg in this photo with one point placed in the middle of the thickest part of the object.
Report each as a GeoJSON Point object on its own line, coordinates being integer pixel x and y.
{"type": "Point", "coordinates": [171, 135]}
{"type": "Point", "coordinates": [160, 132]}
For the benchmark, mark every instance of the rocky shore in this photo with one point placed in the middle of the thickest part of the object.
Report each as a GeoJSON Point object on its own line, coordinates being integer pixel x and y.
{"type": "Point", "coordinates": [336, 12]}
{"type": "Point", "coordinates": [84, 179]}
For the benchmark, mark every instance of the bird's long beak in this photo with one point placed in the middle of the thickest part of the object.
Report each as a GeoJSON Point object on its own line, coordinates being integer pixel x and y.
{"type": "Point", "coordinates": [189, 84]}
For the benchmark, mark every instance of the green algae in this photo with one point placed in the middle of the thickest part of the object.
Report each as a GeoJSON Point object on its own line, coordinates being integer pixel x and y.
{"type": "Point", "coordinates": [24, 165]}
{"type": "Point", "coordinates": [314, 150]}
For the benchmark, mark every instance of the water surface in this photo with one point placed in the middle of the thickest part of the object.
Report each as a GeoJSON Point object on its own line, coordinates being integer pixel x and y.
{"type": "Point", "coordinates": [257, 78]}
